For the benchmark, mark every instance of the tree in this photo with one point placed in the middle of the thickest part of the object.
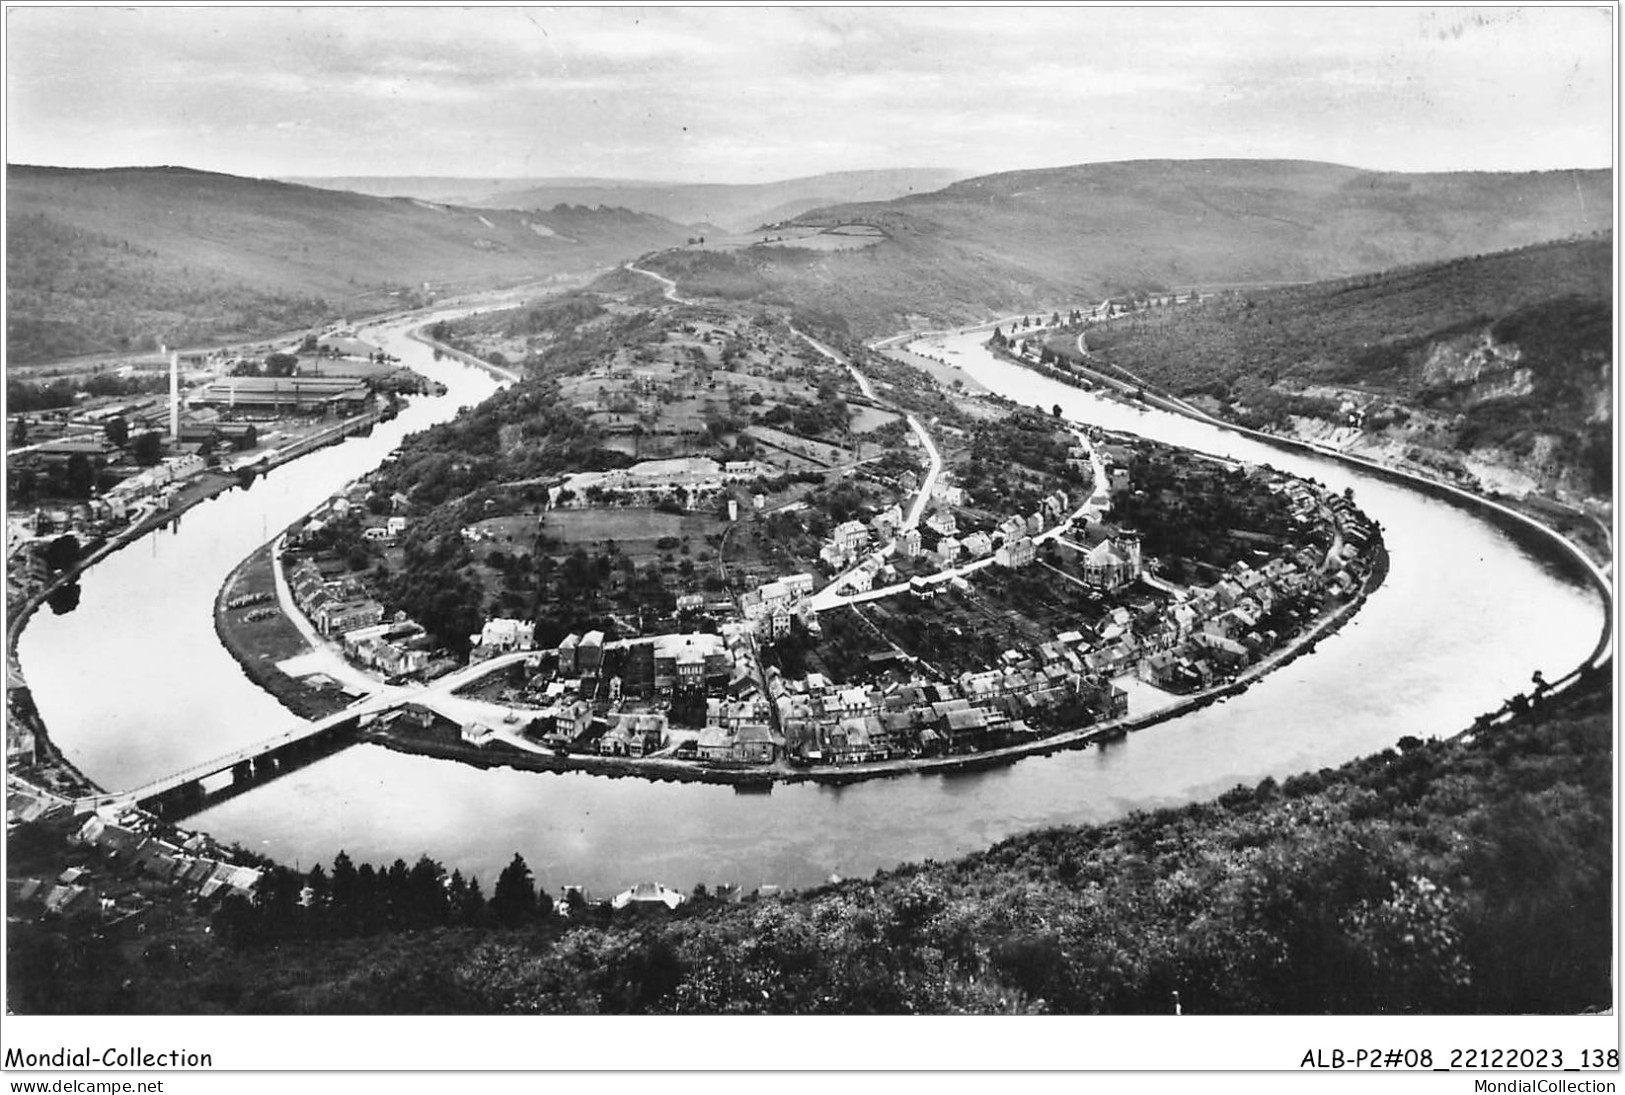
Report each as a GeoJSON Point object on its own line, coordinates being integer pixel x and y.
{"type": "Point", "coordinates": [81, 475]}
{"type": "Point", "coordinates": [1055, 411]}
{"type": "Point", "coordinates": [19, 432]}
{"type": "Point", "coordinates": [344, 895]}
{"type": "Point", "coordinates": [62, 552]}
{"type": "Point", "coordinates": [118, 431]}
{"type": "Point", "coordinates": [147, 448]}
{"type": "Point", "coordinates": [281, 364]}
{"type": "Point", "coordinates": [514, 900]}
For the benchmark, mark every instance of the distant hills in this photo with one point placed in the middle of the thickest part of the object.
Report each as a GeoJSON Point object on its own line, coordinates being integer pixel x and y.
{"type": "Point", "coordinates": [115, 259]}
{"type": "Point", "coordinates": [1030, 239]}
{"type": "Point", "coordinates": [109, 260]}
{"type": "Point", "coordinates": [732, 207]}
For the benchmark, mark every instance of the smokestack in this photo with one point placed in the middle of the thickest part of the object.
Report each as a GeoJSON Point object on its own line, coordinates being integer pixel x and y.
{"type": "Point", "coordinates": [174, 398]}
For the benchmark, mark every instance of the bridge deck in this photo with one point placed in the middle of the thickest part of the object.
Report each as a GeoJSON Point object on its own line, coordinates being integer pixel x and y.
{"type": "Point", "coordinates": [237, 756]}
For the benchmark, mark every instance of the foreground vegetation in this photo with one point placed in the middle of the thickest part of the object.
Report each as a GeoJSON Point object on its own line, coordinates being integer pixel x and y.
{"type": "Point", "coordinates": [1462, 876]}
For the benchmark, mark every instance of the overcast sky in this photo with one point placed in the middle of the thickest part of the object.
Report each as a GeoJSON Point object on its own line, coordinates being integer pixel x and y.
{"type": "Point", "coordinates": [754, 94]}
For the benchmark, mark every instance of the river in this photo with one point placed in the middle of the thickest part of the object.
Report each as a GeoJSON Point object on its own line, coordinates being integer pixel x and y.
{"type": "Point", "coordinates": [134, 684]}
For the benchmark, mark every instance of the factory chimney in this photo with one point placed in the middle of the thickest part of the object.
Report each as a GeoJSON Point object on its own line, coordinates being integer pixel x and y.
{"type": "Point", "coordinates": [174, 398]}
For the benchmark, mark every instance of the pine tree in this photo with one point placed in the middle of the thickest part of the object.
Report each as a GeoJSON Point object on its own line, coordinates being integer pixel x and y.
{"type": "Point", "coordinates": [514, 900]}
{"type": "Point", "coordinates": [472, 911]}
{"type": "Point", "coordinates": [427, 905]}
{"type": "Point", "coordinates": [343, 902]}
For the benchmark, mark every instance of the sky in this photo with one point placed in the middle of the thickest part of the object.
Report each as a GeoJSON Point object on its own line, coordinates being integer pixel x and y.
{"type": "Point", "coordinates": [753, 94]}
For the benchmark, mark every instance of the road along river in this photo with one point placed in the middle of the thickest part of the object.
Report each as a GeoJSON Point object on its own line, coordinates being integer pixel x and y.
{"type": "Point", "coordinates": [134, 684]}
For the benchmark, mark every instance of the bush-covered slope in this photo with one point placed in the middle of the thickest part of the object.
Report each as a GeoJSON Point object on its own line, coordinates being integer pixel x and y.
{"type": "Point", "coordinates": [109, 260]}
{"type": "Point", "coordinates": [1513, 351]}
{"type": "Point", "coordinates": [1439, 877]}
{"type": "Point", "coordinates": [1030, 239]}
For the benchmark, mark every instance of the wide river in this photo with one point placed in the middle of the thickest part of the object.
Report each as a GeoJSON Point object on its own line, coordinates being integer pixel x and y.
{"type": "Point", "coordinates": [134, 684]}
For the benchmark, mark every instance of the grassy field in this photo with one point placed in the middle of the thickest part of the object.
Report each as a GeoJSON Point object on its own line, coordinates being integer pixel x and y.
{"type": "Point", "coordinates": [628, 526]}
{"type": "Point", "coordinates": [258, 645]}
{"type": "Point", "coordinates": [944, 374]}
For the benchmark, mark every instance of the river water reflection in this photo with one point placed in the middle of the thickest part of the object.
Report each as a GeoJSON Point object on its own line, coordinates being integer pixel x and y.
{"type": "Point", "coordinates": [134, 684]}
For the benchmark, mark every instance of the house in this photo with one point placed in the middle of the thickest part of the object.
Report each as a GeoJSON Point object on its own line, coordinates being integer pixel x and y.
{"type": "Point", "coordinates": [850, 535]}
{"type": "Point", "coordinates": [908, 544]}
{"type": "Point", "coordinates": [477, 733]}
{"type": "Point", "coordinates": [502, 635]}
{"type": "Point", "coordinates": [753, 743]}
{"type": "Point", "coordinates": [1160, 669]}
{"type": "Point", "coordinates": [567, 654]}
{"type": "Point", "coordinates": [966, 727]}
{"type": "Point", "coordinates": [847, 742]}
{"type": "Point", "coordinates": [942, 522]}
{"type": "Point", "coordinates": [571, 720]}
{"type": "Point", "coordinates": [948, 550]}
{"type": "Point", "coordinates": [799, 585]}
{"type": "Point", "coordinates": [1016, 553]}
{"type": "Point", "coordinates": [978, 544]}
{"type": "Point", "coordinates": [647, 895]}
{"type": "Point", "coordinates": [834, 556]}
{"type": "Point", "coordinates": [339, 617]}
{"type": "Point", "coordinates": [635, 734]}
{"type": "Point", "coordinates": [590, 653]}
{"type": "Point", "coordinates": [715, 743]}
{"type": "Point", "coordinates": [395, 525]}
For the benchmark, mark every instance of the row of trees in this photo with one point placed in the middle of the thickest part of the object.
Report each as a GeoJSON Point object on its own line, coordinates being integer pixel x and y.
{"type": "Point", "coordinates": [363, 901]}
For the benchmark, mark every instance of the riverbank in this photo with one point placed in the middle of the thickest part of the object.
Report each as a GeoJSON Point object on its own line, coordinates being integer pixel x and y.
{"type": "Point", "coordinates": [259, 636]}
{"type": "Point", "coordinates": [665, 770]}
{"type": "Point", "coordinates": [1535, 533]}
{"type": "Point", "coordinates": [50, 770]}
{"type": "Point", "coordinates": [419, 334]}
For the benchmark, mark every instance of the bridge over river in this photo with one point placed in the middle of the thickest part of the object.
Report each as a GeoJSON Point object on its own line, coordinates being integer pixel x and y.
{"type": "Point", "coordinates": [184, 792]}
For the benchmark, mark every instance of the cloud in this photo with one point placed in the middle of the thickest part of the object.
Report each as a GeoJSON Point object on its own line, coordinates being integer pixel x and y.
{"type": "Point", "coordinates": [787, 91]}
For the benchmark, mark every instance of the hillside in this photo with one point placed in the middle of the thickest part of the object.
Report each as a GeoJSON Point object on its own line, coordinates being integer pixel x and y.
{"type": "Point", "coordinates": [1037, 239]}
{"type": "Point", "coordinates": [123, 258]}
{"type": "Point", "coordinates": [1504, 358]}
{"type": "Point", "coordinates": [1472, 876]}
{"type": "Point", "coordinates": [738, 207]}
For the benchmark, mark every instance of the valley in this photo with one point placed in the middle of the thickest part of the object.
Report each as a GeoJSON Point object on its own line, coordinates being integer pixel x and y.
{"type": "Point", "coordinates": [705, 529]}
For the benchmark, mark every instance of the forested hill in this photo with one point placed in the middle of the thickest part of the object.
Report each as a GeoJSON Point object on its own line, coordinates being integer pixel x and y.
{"type": "Point", "coordinates": [1468, 876]}
{"type": "Point", "coordinates": [108, 260]}
{"type": "Point", "coordinates": [1037, 239]}
{"type": "Point", "coordinates": [1507, 355]}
